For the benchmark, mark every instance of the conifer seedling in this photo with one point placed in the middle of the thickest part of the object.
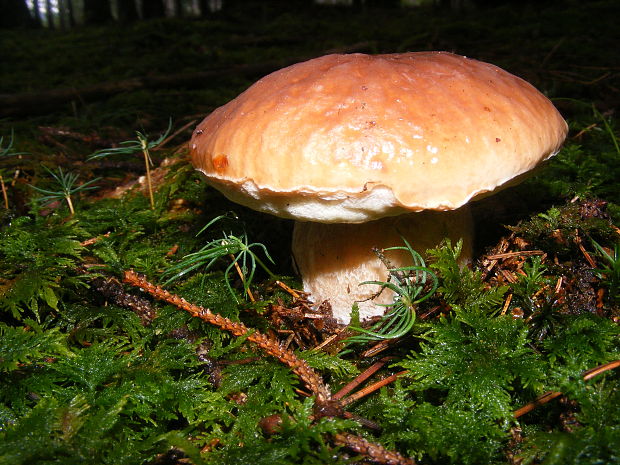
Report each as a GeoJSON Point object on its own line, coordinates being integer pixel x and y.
{"type": "Point", "coordinates": [66, 182]}
{"type": "Point", "coordinates": [238, 248]}
{"type": "Point", "coordinates": [6, 152]}
{"type": "Point", "coordinates": [129, 147]}
{"type": "Point", "coordinates": [411, 287]}
{"type": "Point", "coordinates": [610, 271]}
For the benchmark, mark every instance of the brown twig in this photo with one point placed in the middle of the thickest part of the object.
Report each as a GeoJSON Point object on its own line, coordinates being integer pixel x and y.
{"type": "Point", "coordinates": [271, 346]}
{"type": "Point", "coordinates": [372, 388]}
{"type": "Point", "coordinates": [515, 254]}
{"type": "Point", "coordinates": [374, 452]}
{"type": "Point", "coordinates": [600, 369]}
{"type": "Point", "coordinates": [378, 348]}
{"type": "Point", "coordinates": [94, 240]}
{"type": "Point", "coordinates": [288, 289]}
{"type": "Point", "coordinates": [557, 45]}
{"type": "Point", "coordinates": [584, 130]}
{"type": "Point", "coordinates": [540, 400]}
{"type": "Point", "coordinates": [548, 396]}
{"type": "Point", "coordinates": [112, 290]}
{"type": "Point", "coordinates": [583, 250]}
{"type": "Point", "coordinates": [506, 304]}
{"type": "Point", "coordinates": [175, 133]}
{"type": "Point", "coordinates": [330, 339]}
{"type": "Point", "coordinates": [4, 194]}
{"type": "Point", "coordinates": [371, 370]}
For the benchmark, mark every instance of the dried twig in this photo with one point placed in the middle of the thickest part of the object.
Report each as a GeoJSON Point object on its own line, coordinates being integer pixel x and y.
{"type": "Point", "coordinates": [371, 370]}
{"type": "Point", "coordinates": [4, 194]}
{"type": "Point", "coordinates": [113, 292]}
{"type": "Point", "coordinates": [271, 346]}
{"type": "Point", "coordinates": [324, 400]}
{"type": "Point", "coordinates": [600, 369]}
{"type": "Point", "coordinates": [288, 289]}
{"type": "Point", "coordinates": [547, 396]}
{"type": "Point", "coordinates": [372, 388]}
{"type": "Point", "coordinates": [506, 304]}
{"type": "Point", "coordinates": [515, 254]}
{"type": "Point", "coordinates": [376, 452]}
{"type": "Point", "coordinates": [174, 134]}
{"type": "Point", "coordinates": [330, 339]}
{"type": "Point", "coordinates": [94, 240]}
{"type": "Point", "coordinates": [379, 347]}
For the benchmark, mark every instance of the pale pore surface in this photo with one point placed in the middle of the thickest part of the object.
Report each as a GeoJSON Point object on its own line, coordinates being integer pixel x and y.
{"type": "Point", "coordinates": [334, 258]}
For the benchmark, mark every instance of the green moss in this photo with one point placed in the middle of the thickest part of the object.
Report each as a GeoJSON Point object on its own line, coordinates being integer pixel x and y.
{"type": "Point", "coordinates": [100, 374]}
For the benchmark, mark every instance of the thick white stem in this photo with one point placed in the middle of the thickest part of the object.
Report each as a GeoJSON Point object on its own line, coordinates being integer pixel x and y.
{"type": "Point", "coordinates": [334, 258]}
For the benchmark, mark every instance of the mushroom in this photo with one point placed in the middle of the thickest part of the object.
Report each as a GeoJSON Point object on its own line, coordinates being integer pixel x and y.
{"type": "Point", "coordinates": [363, 149]}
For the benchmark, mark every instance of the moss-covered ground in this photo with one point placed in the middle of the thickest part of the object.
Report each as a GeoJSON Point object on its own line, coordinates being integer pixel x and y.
{"type": "Point", "coordinates": [95, 371]}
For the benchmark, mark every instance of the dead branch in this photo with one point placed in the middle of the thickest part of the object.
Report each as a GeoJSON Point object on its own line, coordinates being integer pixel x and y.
{"type": "Point", "coordinates": [548, 396]}
{"type": "Point", "coordinates": [324, 401]}
{"type": "Point", "coordinates": [375, 452]}
{"type": "Point", "coordinates": [272, 347]}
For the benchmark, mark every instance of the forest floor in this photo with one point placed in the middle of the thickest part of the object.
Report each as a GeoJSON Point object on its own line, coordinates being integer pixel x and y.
{"type": "Point", "coordinates": [512, 361]}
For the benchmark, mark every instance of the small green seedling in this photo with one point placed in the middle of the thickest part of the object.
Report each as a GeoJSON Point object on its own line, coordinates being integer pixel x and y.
{"type": "Point", "coordinates": [609, 273]}
{"type": "Point", "coordinates": [553, 217]}
{"type": "Point", "coordinates": [237, 248]}
{"type": "Point", "coordinates": [129, 147]}
{"type": "Point", "coordinates": [531, 281]}
{"type": "Point", "coordinates": [6, 152]}
{"type": "Point", "coordinates": [412, 285]}
{"type": "Point", "coordinates": [66, 183]}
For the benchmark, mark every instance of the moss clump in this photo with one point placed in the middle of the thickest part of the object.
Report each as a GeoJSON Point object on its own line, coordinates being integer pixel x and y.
{"type": "Point", "coordinates": [94, 371]}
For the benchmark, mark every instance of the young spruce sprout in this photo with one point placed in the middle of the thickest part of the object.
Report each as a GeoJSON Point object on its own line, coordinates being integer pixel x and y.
{"type": "Point", "coordinates": [412, 285]}
{"type": "Point", "coordinates": [6, 152]}
{"type": "Point", "coordinates": [610, 272]}
{"type": "Point", "coordinates": [140, 144]}
{"type": "Point", "coordinates": [66, 182]}
{"type": "Point", "coordinates": [236, 248]}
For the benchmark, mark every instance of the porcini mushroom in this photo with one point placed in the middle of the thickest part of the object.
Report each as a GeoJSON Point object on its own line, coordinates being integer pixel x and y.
{"type": "Point", "coordinates": [362, 149]}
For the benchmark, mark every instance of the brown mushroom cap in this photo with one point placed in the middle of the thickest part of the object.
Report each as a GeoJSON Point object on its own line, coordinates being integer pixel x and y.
{"type": "Point", "coordinates": [352, 138]}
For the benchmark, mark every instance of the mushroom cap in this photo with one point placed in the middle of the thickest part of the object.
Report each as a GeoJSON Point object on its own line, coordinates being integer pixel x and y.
{"type": "Point", "coordinates": [352, 138]}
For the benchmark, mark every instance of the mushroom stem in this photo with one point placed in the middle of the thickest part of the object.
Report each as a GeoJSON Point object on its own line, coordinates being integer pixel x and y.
{"type": "Point", "coordinates": [333, 259]}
